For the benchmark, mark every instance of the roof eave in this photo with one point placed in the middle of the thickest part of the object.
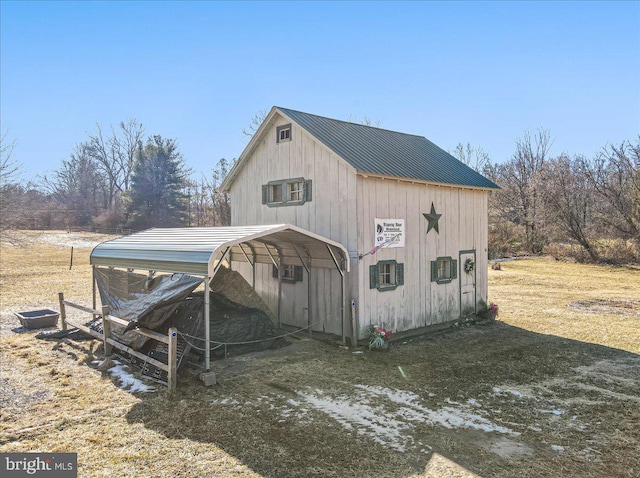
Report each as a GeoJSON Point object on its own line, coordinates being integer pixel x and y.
{"type": "Point", "coordinates": [367, 174]}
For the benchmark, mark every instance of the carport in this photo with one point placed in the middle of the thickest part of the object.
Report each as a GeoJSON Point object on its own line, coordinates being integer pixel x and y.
{"type": "Point", "coordinates": [201, 251]}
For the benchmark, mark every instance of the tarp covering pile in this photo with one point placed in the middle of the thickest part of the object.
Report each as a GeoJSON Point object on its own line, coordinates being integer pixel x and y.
{"type": "Point", "coordinates": [142, 300]}
{"type": "Point", "coordinates": [164, 301]}
{"type": "Point", "coordinates": [245, 329]}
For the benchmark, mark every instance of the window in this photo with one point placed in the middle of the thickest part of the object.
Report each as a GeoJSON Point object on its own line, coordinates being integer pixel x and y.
{"type": "Point", "coordinates": [275, 193]}
{"type": "Point", "coordinates": [444, 270]}
{"type": "Point", "coordinates": [286, 192]}
{"type": "Point", "coordinates": [290, 273]}
{"type": "Point", "coordinates": [386, 275]}
{"type": "Point", "coordinates": [295, 191]}
{"type": "Point", "coordinates": [283, 133]}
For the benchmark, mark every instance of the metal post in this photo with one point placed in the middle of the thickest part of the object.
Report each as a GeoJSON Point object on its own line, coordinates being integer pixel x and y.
{"type": "Point", "coordinates": [279, 291]}
{"type": "Point", "coordinates": [343, 292]}
{"type": "Point", "coordinates": [343, 295]}
{"type": "Point", "coordinates": [93, 287]}
{"type": "Point", "coordinates": [309, 313]}
{"type": "Point", "coordinates": [207, 326]}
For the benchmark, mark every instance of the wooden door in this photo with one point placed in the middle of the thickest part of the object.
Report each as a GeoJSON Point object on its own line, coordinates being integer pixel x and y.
{"type": "Point", "coordinates": [467, 275]}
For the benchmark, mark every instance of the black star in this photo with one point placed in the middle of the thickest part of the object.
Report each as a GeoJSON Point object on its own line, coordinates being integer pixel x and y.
{"type": "Point", "coordinates": [432, 217]}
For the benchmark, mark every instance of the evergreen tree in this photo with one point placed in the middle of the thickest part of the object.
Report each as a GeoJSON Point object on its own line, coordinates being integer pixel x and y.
{"type": "Point", "coordinates": [156, 197]}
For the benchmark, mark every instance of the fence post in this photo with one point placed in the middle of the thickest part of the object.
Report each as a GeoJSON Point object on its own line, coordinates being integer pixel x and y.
{"type": "Point", "coordinates": [106, 331]}
{"type": "Point", "coordinates": [171, 359]}
{"type": "Point", "coordinates": [63, 312]}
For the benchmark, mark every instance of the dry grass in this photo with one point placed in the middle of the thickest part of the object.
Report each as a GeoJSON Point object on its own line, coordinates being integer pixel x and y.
{"type": "Point", "coordinates": [536, 294]}
{"type": "Point", "coordinates": [560, 386]}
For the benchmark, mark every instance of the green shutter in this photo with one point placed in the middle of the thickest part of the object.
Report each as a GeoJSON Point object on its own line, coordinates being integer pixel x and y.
{"type": "Point", "coordinates": [454, 269]}
{"type": "Point", "coordinates": [434, 271]}
{"type": "Point", "coordinates": [297, 273]}
{"type": "Point", "coordinates": [373, 276]}
{"type": "Point", "coordinates": [399, 274]}
{"type": "Point", "coordinates": [265, 194]}
{"type": "Point", "coordinates": [307, 190]}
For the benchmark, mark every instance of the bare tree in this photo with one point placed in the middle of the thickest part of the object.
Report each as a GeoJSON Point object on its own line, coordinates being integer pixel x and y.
{"type": "Point", "coordinates": [569, 195]}
{"type": "Point", "coordinates": [615, 176]}
{"type": "Point", "coordinates": [475, 158]}
{"type": "Point", "coordinates": [521, 199]}
{"type": "Point", "coordinates": [115, 156]}
{"type": "Point", "coordinates": [256, 121]}
{"type": "Point", "coordinates": [78, 188]}
{"type": "Point", "coordinates": [366, 121]}
{"type": "Point", "coordinates": [10, 189]}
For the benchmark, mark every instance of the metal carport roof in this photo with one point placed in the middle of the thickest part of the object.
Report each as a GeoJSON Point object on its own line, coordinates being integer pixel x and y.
{"type": "Point", "coordinates": [196, 250]}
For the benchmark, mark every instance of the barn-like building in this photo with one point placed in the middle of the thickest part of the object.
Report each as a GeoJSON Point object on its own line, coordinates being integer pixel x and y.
{"type": "Point", "coordinates": [412, 217]}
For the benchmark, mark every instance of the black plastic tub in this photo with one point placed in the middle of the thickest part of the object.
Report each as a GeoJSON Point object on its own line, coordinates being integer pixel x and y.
{"type": "Point", "coordinates": [37, 319]}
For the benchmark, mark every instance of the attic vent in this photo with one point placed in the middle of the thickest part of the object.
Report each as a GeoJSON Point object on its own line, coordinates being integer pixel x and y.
{"type": "Point", "coordinates": [283, 133]}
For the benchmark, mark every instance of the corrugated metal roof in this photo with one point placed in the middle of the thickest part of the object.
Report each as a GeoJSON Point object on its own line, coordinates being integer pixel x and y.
{"type": "Point", "coordinates": [388, 153]}
{"type": "Point", "coordinates": [194, 250]}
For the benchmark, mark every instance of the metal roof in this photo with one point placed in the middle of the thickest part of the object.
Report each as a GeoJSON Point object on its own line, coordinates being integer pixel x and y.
{"type": "Point", "coordinates": [196, 250]}
{"type": "Point", "coordinates": [388, 153]}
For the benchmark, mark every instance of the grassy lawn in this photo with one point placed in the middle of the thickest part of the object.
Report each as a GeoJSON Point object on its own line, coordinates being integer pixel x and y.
{"type": "Point", "coordinates": [551, 389]}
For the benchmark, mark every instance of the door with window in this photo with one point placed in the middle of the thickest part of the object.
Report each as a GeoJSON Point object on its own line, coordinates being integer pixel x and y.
{"type": "Point", "coordinates": [467, 283]}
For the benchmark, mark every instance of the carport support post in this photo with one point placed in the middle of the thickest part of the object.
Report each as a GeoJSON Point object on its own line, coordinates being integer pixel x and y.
{"type": "Point", "coordinates": [279, 291]}
{"type": "Point", "coordinates": [207, 326]}
{"type": "Point", "coordinates": [343, 291]}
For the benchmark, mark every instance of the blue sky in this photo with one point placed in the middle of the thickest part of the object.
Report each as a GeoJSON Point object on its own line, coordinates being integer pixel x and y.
{"type": "Point", "coordinates": [478, 72]}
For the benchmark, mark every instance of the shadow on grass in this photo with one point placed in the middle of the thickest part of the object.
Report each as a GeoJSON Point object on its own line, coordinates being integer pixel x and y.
{"type": "Point", "coordinates": [494, 400]}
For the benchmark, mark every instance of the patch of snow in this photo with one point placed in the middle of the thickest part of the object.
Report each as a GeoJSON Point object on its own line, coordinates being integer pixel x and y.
{"type": "Point", "coordinates": [388, 416]}
{"type": "Point", "coordinates": [127, 381]}
{"type": "Point", "coordinates": [225, 401]}
{"type": "Point", "coordinates": [558, 448]}
{"type": "Point", "coordinates": [72, 239]}
{"type": "Point", "coordinates": [554, 412]}
{"type": "Point", "coordinates": [474, 403]}
{"type": "Point", "coordinates": [499, 391]}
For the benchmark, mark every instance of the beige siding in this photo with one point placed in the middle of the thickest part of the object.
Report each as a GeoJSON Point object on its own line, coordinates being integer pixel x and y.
{"type": "Point", "coordinates": [330, 213]}
{"type": "Point", "coordinates": [462, 226]}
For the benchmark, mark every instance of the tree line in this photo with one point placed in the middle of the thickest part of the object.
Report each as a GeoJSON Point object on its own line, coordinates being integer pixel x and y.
{"type": "Point", "coordinates": [564, 205]}
{"type": "Point", "coordinates": [119, 180]}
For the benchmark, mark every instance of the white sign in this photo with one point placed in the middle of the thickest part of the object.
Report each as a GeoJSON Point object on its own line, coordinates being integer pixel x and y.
{"type": "Point", "coordinates": [389, 233]}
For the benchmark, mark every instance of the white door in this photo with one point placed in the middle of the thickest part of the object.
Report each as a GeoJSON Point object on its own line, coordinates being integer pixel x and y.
{"type": "Point", "coordinates": [467, 277]}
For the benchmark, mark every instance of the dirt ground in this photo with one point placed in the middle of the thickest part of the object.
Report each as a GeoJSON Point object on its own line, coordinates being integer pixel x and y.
{"type": "Point", "coordinates": [550, 389]}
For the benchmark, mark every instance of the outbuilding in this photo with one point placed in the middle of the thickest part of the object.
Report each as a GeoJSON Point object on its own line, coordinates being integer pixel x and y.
{"type": "Point", "coordinates": [413, 219]}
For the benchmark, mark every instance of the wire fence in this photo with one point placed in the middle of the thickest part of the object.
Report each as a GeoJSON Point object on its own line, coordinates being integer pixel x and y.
{"type": "Point", "coordinates": [248, 342]}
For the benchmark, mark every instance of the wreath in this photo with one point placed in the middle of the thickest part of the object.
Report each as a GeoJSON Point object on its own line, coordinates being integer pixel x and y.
{"type": "Point", "coordinates": [469, 266]}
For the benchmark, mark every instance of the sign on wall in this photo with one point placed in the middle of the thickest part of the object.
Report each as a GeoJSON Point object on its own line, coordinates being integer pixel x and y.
{"type": "Point", "coordinates": [389, 232]}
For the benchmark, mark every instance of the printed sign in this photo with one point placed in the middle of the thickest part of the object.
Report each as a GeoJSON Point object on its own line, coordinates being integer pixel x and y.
{"type": "Point", "coordinates": [389, 233]}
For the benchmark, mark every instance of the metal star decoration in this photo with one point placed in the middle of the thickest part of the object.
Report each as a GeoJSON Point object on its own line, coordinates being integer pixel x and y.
{"type": "Point", "coordinates": [432, 217]}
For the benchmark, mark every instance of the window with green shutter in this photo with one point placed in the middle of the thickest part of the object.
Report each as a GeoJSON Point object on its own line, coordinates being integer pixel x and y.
{"type": "Point", "coordinates": [287, 192]}
{"type": "Point", "coordinates": [386, 275]}
{"type": "Point", "coordinates": [444, 270]}
{"type": "Point", "coordinates": [290, 274]}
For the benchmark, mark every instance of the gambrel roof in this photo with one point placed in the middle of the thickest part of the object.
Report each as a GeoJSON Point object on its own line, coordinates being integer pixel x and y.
{"type": "Point", "coordinates": [378, 151]}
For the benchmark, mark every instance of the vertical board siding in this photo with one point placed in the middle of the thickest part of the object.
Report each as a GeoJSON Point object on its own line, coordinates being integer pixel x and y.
{"type": "Point", "coordinates": [462, 226]}
{"type": "Point", "coordinates": [343, 208]}
{"type": "Point", "coordinates": [330, 213]}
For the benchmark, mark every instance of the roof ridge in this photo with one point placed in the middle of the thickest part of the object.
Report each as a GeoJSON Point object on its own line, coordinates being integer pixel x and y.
{"type": "Point", "coordinates": [350, 122]}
